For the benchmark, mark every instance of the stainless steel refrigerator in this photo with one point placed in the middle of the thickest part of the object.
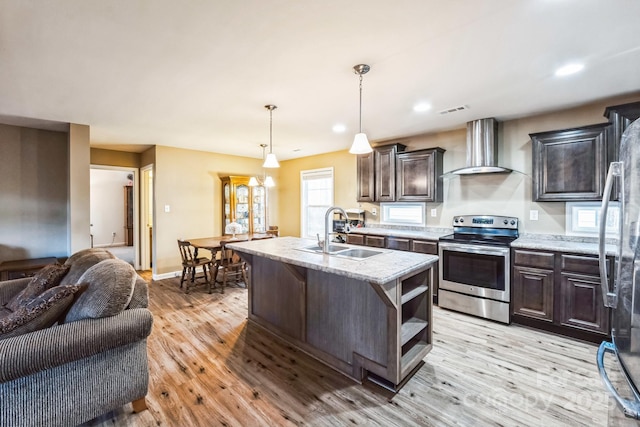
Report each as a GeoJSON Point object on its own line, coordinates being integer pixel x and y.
{"type": "Point", "coordinates": [624, 297]}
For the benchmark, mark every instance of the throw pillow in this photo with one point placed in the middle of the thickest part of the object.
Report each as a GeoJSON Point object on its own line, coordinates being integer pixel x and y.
{"type": "Point", "coordinates": [47, 277]}
{"type": "Point", "coordinates": [110, 287]}
{"type": "Point", "coordinates": [140, 297]}
{"type": "Point", "coordinates": [41, 312]}
{"type": "Point", "coordinates": [79, 264]}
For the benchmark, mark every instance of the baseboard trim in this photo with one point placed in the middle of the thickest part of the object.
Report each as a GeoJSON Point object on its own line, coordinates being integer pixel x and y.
{"type": "Point", "coordinates": [169, 275]}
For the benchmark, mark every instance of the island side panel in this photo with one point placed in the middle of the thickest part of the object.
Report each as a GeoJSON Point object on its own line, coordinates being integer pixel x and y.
{"type": "Point", "coordinates": [346, 316]}
{"type": "Point", "coordinates": [278, 297]}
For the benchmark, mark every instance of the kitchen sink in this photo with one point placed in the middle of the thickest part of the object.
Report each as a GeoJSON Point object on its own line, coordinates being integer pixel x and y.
{"type": "Point", "coordinates": [343, 251]}
{"type": "Point", "coordinates": [358, 253]}
{"type": "Point", "coordinates": [332, 248]}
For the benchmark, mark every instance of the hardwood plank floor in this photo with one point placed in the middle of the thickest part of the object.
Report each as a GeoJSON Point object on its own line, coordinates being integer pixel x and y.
{"type": "Point", "coordinates": [210, 367]}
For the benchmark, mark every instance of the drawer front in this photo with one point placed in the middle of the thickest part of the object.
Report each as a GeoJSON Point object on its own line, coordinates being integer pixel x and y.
{"type": "Point", "coordinates": [375, 241]}
{"type": "Point", "coordinates": [425, 247]}
{"type": "Point", "coordinates": [355, 239]}
{"type": "Point", "coordinates": [533, 259]}
{"type": "Point", "coordinates": [583, 264]}
{"type": "Point", "coordinates": [399, 243]}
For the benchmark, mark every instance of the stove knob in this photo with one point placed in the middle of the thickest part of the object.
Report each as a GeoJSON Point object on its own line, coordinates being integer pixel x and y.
{"type": "Point", "coordinates": [513, 222]}
{"type": "Point", "coordinates": [461, 219]}
{"type": "Point", "coordinates": [506, 222]}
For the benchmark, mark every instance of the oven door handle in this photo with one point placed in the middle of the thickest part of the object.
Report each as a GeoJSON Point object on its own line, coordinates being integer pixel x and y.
{"type": "Point", "coordinates": [475, 249]}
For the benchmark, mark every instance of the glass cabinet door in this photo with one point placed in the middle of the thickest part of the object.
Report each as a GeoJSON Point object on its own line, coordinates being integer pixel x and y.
{"type": "Point", "coordinates": [226, 202]}
{"type": "Point", "coordinates": [242, 207]}
{"type": "Point", "coordinates": [259, 209]}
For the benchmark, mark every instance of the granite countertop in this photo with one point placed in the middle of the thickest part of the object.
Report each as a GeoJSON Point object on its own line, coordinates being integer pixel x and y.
{"type": "Point", "coordinates": [559, 243]}
{"type": "Point", "coordinates": [378, 269]}
{"type": "Point", "coordinates": [427, 233]}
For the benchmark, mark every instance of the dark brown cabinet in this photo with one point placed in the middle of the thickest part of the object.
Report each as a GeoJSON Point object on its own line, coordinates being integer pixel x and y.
{"type": "Point", "coordinates": [385, 172]}
{"type": "Point", "coordinates": [377, 174]}
{"type": "Point", "coordinates": [419, 175]}
{"type": "Point", "coordinates": [366, 183]}
{"type": "Point", "coordinates": [559, 292]}
{"type": "Point", "coordinates": [620, 117]}
{"type": "Point", "coordinates": [533, 292]}
{"type": "Point", "coordinates": [581, 303]}
{"type": "Point", "coordinates": [400, 244]}
{"type": "Point", "coordinates": [570, 164]}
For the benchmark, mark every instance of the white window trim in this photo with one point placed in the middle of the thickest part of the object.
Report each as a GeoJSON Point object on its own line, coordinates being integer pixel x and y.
{"type": "Point", "coordinates": [419, 222]}
{"type": "Point", "coordinates": [308, 173]}
{"type": "Point", "coordinates": [571, 212]}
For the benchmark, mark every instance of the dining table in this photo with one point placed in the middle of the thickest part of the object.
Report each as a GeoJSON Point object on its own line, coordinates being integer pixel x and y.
{"type": "Point", "coordinates": [215, 244]}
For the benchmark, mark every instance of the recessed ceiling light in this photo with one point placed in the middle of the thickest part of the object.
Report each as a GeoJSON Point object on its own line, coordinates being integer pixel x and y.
{"type": "Point", "coordinates": [569, 69]}
{"type": "Point", "coordinates": [421, 107]}
{"type": "Point", "coordinates": [339, 128]}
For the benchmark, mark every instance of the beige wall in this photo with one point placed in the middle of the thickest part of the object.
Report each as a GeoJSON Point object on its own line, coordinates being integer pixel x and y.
{"type": "Point", "coordinates": [79, 188]}
{"type": "Point", "coordinates": [189, 183]}
{"type": "Point", "coordinates": [344, 174]}
{"type": "Point", "coordinates": [497, 194]}
{"type": "Point", "coordinates": [100, 156]}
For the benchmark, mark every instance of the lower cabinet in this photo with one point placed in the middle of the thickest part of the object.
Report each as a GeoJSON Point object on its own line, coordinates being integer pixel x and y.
{"type": "Point", "coordinates": [533, 293]}
{"type": "Point", "coordinates": [366, 240]}
{"type": "Point", "coordinates": [429, 247]}
{"type": "Point", "coordinates": [559, 292]}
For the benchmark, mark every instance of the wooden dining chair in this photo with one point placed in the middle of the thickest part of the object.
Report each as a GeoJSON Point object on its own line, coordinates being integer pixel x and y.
{"type": "Point", "coordinates": [231, 266]}
{"type": "Point", "coordinates": [190, 263]}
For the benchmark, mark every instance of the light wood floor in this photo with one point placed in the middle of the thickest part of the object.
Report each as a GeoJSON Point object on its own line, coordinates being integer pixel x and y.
{"type": "Point", "coordinates": [210, 367]}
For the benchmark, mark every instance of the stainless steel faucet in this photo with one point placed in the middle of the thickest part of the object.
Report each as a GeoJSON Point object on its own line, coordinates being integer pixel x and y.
{"type": "Point", "coordinates": [326, 243]}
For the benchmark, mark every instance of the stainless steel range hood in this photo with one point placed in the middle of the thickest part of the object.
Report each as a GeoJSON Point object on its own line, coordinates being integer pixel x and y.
{"type": "Point", "coordinates": [482, 148]}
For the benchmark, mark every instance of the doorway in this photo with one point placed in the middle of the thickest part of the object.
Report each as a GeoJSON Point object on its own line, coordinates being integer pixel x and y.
{"type": "Point", "coordinates": [114, 211]}
{"type": "Point", "coordinates": [146, 216]}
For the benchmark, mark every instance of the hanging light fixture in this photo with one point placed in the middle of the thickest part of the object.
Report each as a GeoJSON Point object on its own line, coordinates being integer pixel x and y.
{"type": "Point", "coordinates": [271, 161]}
{"type": "Point", "coordinates": [360, 142]}
{"type": "Point", "coordinates": [266, 180]}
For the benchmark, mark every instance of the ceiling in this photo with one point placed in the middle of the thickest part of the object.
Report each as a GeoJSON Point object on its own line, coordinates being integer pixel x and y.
{"type": "Point", "coordinates": [198, 74]}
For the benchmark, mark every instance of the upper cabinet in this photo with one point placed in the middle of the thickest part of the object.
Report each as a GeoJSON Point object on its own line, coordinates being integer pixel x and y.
{"type": "Point", "coordinates": [366, 176]}
{"type": "Point", "coordinates": [419, 175]}
{"type": "Point", "coordinates": [385, 167]}
{"type": "Point", "coordinates": [570, 164]}
{"type": "Point", "coordinates": [390, 174]}
{"type": "Point", "coordinates": [377, 174]}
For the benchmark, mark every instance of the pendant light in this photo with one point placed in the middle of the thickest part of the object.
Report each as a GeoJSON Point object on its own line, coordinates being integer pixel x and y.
{"type": "Point", "coordinates": [271, 161]}
{"type": "Point", "coordinates": [266, 180]}
{"type": "Point", "coordinates": [360, 142]}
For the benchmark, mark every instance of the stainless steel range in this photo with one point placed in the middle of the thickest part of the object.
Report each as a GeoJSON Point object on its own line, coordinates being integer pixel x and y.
{"type": "Point", "coordinates": [475, 266]}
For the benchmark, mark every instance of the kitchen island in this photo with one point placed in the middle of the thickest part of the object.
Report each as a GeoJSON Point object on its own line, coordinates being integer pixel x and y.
{"type": "Point", "coordinates": [369, 317]}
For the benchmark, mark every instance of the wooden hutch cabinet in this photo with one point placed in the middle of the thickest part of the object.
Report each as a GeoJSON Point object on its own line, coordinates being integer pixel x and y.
{"type": "Point", "coordinates": [244, 204]}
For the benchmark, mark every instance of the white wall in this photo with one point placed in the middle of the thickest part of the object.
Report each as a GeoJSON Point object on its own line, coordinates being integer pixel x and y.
{"type": "Point", "coordinates": [107, 206]}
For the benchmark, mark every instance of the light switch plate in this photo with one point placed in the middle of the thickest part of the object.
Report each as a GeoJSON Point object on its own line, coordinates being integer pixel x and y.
{"type": "Point", "coordinates": [533, 215]}
{"type": "Point", "coordinates": [374, 211]}
{"type": "Point", "coordinates": [434, 212]}
{"type": "Point", "coordinates": [167, 208]}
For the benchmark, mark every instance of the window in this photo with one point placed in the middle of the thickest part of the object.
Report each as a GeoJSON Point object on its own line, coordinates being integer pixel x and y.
{"type": "Point", "coordinates": [317, 196]}
{"type": "Point", "coordinates": [403, 213]}
{"type": "Point", "coordinates": [583, 219]}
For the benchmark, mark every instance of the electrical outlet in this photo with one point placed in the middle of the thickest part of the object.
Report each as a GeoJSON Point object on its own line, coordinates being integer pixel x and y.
{"type": "Point", "coordinates": [167, 208]}
{"type": "Point", "coordinates": [374, 211]}
{"type": "Point", "coordinates": [434, 212]}
{"type": "Point", "coordinates": [533, 215]}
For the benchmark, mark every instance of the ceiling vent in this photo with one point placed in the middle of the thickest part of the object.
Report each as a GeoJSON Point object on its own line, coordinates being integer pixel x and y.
{"type": "Point", "coordinates": [454, 109]}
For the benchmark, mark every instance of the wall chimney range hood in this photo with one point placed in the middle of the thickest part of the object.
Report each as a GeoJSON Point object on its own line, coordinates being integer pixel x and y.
{"type": "Point", "coordinates": [482, 149]}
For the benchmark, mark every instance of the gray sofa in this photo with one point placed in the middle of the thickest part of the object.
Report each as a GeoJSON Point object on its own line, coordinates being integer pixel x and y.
{"type": "Point", "coordinates": [72, 372]}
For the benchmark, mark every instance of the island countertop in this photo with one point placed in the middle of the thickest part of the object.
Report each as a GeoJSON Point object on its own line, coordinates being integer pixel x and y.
{"type": "Point", "coordinates": [378, 269]}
